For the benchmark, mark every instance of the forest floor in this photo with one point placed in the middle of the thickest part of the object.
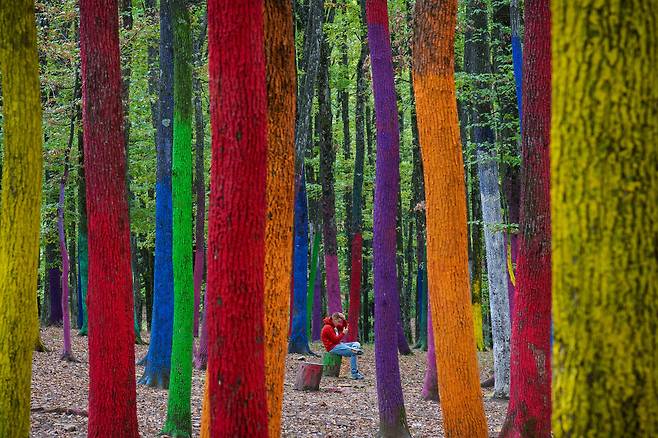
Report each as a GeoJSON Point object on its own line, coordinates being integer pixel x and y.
{"type": "Point", "coordinates": [342, 407]}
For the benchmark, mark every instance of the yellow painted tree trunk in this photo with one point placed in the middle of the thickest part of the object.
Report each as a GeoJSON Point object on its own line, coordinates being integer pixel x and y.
{"type": "Point", "coordinates": [281, 90]}
{"type": "Point", "coordinates": [604, 196]}
{"type": "Point", "coordinates": [20, 214]}
{"type": "Point", "coordinates": [447, 257]}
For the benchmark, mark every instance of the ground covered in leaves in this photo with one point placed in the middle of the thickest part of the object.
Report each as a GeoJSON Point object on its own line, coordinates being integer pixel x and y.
{"type": "Point", "coordinates": [342, 407]}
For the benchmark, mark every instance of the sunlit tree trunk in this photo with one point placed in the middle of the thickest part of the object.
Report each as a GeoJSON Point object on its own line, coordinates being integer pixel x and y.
{"type": "Point", "coordinates": [604, 216]}
{"type": "Point", "coordinates": [434, 87]}
{"type": "Point", "coordinates": [20, 214]}
{"type": "Point", "coordinates": [112, 398]}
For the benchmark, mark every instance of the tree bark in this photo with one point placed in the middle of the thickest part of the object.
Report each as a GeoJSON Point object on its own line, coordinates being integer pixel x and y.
{"type": "Point", "coordinates": [392, 417]}
{"type": "Point", "coordinates": [483, 138]}
{"type": "Point", "coordinates": [199, 175]}
{"type": "Point", "coordinates": [20, 214]}
{"type": "Point", "coordinates": [327, 179]}
{"type": "Point", "coordinates": [179, 415]}
{"type": "Point", "coordinates": [436, 106]}
{"type": "Point", "coordinates": [529, 410]}
{"type": "Point", "coordinates": [158, 359]}
{"type": "Point", "coordinates": [604, 217]}
{"type": "Point", "coordinates": [112, 397]}
{"type": "Point", "coordinates": [237, 218]}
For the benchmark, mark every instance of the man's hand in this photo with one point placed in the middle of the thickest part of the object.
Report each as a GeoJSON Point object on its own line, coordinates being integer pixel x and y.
{"type": "Point", "coordinates": [345, 330]}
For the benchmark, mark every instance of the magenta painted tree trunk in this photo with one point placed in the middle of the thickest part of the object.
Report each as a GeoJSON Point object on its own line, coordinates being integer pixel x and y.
{"type": "Point", "coordinates": [529, 410]}
{"type": "Point", "coordinates": [430, 383]}
{"type": "Point", "coordinates": [392, 417]}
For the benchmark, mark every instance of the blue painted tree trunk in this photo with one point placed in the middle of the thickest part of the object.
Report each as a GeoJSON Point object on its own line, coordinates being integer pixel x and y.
{"type": "Point", "coordinates": [156, 372]}
{"type": "Point", "coordinates": [298, 342]}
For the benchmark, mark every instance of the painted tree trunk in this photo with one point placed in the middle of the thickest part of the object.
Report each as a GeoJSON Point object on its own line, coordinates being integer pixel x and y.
{"type": "Point", "coordinates": [179, 417]}
{"type": "Point", "coordinates": [357, 188]}
{"type": "Point", "coordinates": [281, 101]}
{"type": "Point", "coordinates": [21, 212]}
{"type": "Point", "coordinates": [317, 304]}
{"type": "Point", "coordinates": [475, 258]}
{"type": "Point", "coordinates": [199, 176]}
{"type": "Point", "coordinates": [403, 345]}
{"type": "Point", "coordinates": [430, 389]}
{"type": "Point", "coordinates": [517, 55]}
{"type": "Point", "coordinates": [112, 397]}
{"type": "Point", "coordinates": [483, 137]}
{"type": "Point", "coordinates": [604, 217]}
{"type": "Point", "coordinates": [236, 240]}
{"type": "Point", "coordinates": [298, 342]}
{"type": "Point", "coordinates": [67, 352]}
{"type": "Point", "coordinates": [327, 179]}
{"type": "Point", "coordinates": [313, 273]}
{"type": "Point", "coordinates": [83, 250]}
{"type": "Point", "coordinates": [201, 353]}
{"type": "Point", "coordinates": [54, 285]}
{"type": "Point", "coordinates": [392, 417]}
{"type": "Point", "coordinates": [447, 257]}
{"type": "Point", "coordinates": [158, 359]}
{"type": "Point", "coordinates": [529, 409]}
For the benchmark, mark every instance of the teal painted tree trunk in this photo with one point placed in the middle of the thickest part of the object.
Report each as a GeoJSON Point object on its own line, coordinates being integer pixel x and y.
{"type": "Point", "coordinates": [179, 420]}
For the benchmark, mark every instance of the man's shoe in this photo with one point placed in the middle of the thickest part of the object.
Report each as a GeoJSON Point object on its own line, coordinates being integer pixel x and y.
{"type": "Point", "coordinates": [357, 376]}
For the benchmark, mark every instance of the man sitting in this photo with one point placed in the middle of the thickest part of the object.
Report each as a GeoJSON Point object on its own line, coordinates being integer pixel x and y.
{"type": "Point", "coordinates": [335, 327]}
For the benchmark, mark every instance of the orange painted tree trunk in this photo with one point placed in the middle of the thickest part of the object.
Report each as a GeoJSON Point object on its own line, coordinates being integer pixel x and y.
{"type": "Point", "coordinates": [112, 397]}
{"type": "Point", "coordinates": [281, 93]}
{"type": "Point", "coordinates": [236, 228]}
{"type": "Point", "coordinates": [447, 258]}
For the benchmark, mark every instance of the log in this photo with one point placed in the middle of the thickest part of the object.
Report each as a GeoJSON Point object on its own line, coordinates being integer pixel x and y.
{"type": "Point", "coordinates": [331, 363]}
{"type": "Point", "coordinates": [308, 376]}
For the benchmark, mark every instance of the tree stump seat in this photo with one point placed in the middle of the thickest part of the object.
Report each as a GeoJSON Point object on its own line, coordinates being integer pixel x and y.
{"type": "Point", "coordinates": [331, 363]}
{"type": "Point", "coordinates": [308, 376]}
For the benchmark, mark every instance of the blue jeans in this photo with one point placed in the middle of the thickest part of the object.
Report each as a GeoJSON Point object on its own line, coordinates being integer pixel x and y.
{"type": "Point", "coordinates": [345, 349]}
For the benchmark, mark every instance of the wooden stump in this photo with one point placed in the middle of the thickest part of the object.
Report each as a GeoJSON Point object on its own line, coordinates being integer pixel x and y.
{"type": "Point", "coordinates": [308, 376]}
{"type": "Point", "coordinates": [331, 363]}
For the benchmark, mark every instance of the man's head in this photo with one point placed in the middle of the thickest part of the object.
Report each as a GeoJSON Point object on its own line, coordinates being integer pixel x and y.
{"type": "Point", "coordinates": [338, 319]}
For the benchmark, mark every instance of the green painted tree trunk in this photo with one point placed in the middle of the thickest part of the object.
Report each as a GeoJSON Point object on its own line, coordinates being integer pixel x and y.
{"type": "Point", "coordinates": [179, 421]}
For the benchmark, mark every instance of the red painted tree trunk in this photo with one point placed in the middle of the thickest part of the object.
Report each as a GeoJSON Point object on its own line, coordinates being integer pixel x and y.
{"type": "Point", "coordinates": [529, 410]}
{"type": "Point", "coordinates": [236, 238]}
{"type": "Point", "coordinates": [112, 399]}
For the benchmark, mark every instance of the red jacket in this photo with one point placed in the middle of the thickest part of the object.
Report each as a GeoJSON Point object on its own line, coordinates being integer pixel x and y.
{"type": "Point", "coordinates": [329, 337]}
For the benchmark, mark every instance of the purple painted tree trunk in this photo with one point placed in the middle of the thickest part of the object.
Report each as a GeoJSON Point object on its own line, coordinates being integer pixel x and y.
{"type": "Point", "coordinates": [316, 322]}
{"type": "Point", "coordinates": [55, 295]}
{"type": "Point", "coordinates": [67, 353]}
{"type": "Point", "coordinates": [430, 383]}
{"type": "Point", "coordinates": [392, 417]}
{"type": "Point", "coordinates": [201, 353]}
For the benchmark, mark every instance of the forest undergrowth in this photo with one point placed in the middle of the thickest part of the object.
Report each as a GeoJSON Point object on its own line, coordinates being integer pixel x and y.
{"type": "Point", "coordinates": [342, 407]}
